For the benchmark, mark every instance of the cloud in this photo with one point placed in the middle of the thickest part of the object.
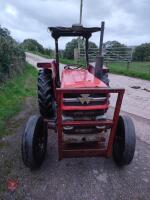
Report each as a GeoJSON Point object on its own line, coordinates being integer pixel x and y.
{"type": "Point", "coordinates": [126, 21]}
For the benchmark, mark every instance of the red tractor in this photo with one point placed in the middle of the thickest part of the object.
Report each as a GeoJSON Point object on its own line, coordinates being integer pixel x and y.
{"type": "Point", "coordinates": [76, 107]}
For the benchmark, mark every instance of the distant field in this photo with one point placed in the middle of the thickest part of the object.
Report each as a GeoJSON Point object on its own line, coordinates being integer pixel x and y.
{"type": "Point", "coordinates": [135, 69]}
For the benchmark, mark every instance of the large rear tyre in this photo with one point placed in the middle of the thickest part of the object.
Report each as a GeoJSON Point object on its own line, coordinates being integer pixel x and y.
{"type": "Point", "coordinates": [34, 142]}
{"type": "Point", "coordinates": [45, 93]}
{"type": "Point", "coordinates": [125, 140]}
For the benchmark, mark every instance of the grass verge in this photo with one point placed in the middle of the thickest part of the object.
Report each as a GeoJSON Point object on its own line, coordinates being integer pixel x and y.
{"type": "Point", "coordinates": [14, 92]}
{"type": "Point", "coordinates": [71, 62]}
{"type": "Point", "coordinates": [135, 69]}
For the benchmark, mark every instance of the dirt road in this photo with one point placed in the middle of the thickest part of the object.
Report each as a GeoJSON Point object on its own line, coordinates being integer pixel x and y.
{"type": "Point", "coordinates": [74, 178]}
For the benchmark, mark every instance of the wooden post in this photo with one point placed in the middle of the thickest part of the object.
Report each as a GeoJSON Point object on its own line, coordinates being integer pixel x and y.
{"type": "Point", "coordinates": [76, 55]}
{"type": "Point", "coordinates": [128, 65]}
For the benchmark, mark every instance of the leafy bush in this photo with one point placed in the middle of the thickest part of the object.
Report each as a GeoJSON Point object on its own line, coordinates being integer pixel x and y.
{"type": "Point", "coordinates": [70, 46]}
{"type": "Point", "coordinates": [142, 52]}
{"type": "Point", "coordinates": [12, 57]}
{"type": "Point", "coordinates": [34, 46]}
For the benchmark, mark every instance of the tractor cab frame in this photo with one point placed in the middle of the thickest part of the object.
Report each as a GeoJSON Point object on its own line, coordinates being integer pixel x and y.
{"type": "Point", "coordinates": [78, 30]}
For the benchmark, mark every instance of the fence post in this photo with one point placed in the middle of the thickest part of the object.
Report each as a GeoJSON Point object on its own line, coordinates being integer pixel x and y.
{"type": "Point", "coordinates": [128, 65]}
{"type": "Point", "coordinates": [76, 54]}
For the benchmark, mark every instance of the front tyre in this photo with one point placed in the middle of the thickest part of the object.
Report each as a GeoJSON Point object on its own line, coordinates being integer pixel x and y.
{"type": "Point", "coordinates": [124, 142]}
{"type": "Point", "coordinates": [34, 142]}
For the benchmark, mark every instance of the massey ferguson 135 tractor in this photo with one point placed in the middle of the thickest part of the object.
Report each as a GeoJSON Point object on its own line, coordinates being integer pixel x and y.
{"type": "Point", "coordinates": [76, 105]}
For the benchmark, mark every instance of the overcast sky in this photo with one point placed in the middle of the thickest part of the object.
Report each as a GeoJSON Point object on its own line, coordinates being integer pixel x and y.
{"type": "Point", "coordinates": [127, 21]}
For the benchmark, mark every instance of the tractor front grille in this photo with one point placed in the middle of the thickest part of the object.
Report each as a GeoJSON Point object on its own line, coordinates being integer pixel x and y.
{"type": "Point", "coordinates": [85, 100]}
{"type": "Point", "coordinates": [79, 101]}
{"type": "Point", "coordinates": [81, 115]}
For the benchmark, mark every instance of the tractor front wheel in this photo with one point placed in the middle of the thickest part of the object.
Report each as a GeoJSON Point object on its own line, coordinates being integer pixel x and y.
{"type": "Point", "coordinates": [124, 143]}
{"type": "Point", "coordinates": [34, 142]}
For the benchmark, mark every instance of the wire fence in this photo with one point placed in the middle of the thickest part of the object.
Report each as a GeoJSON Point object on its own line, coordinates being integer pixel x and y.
{"type": "Point", "coordinates": [118, 59]}
{"type": "Point", "coordinates": [111, 54]}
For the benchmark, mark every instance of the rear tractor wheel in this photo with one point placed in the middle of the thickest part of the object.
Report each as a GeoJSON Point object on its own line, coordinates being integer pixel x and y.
{"type": "Point", "coordinates": [45, 93]}
{"type": "Point", "coordinates": [125, 140]}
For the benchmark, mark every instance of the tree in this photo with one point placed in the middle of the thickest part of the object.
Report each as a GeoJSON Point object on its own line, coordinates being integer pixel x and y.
{"type": "Point", "coordinates": [10, 53]}
{"type": "Point", "coordinates": [113, 44]}
{"type": "Point", "coordinates": [70, 46]}
{"type": "Point", "coordinates": [32, 45]}
{"type": "Point", "coordinates": [142, 52]}
{"type": "Point", "coordinates": [48, 51]}
{"type": "Point", "coordinates": [114, 50]}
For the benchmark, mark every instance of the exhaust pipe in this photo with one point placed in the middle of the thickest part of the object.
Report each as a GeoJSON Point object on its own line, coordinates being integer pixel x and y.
{"type": "Point", "coordinates": [100, 58]}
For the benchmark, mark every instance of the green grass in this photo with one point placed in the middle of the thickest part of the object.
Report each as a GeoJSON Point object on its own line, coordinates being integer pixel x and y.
{"type": "Point", "coordinates": [67, 61]}
{"type": "Point", "coordinates": [71, 62]}
{"type": "Point", "coordinates": [135, 69]}
{"type": "Point", "coordinates": [14, 92]}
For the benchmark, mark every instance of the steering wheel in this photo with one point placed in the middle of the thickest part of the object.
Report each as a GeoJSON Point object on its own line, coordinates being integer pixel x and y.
{"type": "Point", "coordinates": [73, 66]}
